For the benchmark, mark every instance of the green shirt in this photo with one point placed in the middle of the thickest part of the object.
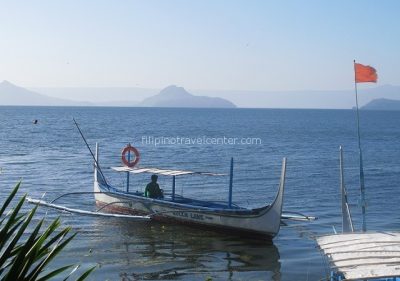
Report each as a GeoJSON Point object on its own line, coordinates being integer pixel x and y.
{"type": "Point", "coordinates": [153, 190]}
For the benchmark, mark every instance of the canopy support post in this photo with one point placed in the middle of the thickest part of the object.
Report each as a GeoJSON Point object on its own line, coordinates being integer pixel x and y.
{"type": "Point", "coordinates": [127, 173]}
{"type": "Point", "coordinates": [230, 184]}
{"type": "Point", "coordinates": [173, 188]}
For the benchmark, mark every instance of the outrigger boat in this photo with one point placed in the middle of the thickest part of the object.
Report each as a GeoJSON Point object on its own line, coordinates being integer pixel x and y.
{"type": "Point", "coordinates": [264, 221]}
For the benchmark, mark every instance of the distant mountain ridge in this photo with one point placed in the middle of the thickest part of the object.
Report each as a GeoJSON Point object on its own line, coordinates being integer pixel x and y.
{"type": "Point", "coordinates": [133, 96]}
{"type": "Point", "coordinates": [11, 94]}
{"type": "Point", "coordinates": [173, 96]}
{"type": "Point", "coordinates": [382, 104]}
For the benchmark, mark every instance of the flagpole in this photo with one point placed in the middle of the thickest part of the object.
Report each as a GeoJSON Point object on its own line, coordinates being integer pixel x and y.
{"type": "Point", "coordinates": [362, 185]}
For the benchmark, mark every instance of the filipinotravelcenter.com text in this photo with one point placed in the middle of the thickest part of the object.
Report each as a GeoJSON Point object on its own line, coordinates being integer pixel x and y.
{"type": "Point", "coordinates": [203, 140]}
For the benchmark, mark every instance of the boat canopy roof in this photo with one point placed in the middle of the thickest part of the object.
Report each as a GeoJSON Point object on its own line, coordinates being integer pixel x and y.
{"type": "Point", "coordinates": [363, 255]}
{"type": "Point", "coordinates": [163, 172]}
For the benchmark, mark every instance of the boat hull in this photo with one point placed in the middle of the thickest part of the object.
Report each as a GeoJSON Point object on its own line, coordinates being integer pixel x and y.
{"type": "Point", "coordinates": [173, 220]}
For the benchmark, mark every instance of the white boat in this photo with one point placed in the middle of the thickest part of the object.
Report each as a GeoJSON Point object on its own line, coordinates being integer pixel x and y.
{"type": "Point", "coordinates": [360, 255]}
{"type": "Point", "coordinates": [264, 221]}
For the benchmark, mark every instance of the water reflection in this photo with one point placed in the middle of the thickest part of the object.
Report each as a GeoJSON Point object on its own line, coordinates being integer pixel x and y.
{"type": "Point", "coordinates": [155, 251]}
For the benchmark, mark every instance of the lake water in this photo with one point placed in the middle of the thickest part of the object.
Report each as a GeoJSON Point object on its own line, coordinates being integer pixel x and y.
{"type": "Point", "coordinates": [50, 157]}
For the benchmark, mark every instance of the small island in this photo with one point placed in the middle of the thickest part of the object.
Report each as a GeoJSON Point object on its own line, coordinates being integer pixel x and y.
{"type": "Point", "coordinates": [382, 104]}
{"type": "Point", "coordinates": [173, 96]}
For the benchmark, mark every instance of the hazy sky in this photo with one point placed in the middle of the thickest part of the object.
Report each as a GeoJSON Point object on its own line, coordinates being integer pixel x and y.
{"type": "Point", "coordinates": [215, 44]}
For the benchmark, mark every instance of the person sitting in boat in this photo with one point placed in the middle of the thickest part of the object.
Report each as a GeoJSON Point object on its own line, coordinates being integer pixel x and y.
{"type": "Point", "coordinates": [153, 190]}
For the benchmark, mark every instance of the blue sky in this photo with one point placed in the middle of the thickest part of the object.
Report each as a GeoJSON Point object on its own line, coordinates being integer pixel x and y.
{"type": "Point", "coordinates": [221, 45]}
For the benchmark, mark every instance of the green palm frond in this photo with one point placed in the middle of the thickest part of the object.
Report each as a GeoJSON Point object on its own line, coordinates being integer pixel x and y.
{"type": "Point", "coordinates": [26, 257]}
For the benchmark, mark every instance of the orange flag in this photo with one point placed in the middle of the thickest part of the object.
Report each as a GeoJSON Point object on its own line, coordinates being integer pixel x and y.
{"type": "Point", "coordinates": [365, 73]}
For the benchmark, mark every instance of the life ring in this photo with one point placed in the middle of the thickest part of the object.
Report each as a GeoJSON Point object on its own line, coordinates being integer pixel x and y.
{"type": "Point", "coordinates": [129, 149]}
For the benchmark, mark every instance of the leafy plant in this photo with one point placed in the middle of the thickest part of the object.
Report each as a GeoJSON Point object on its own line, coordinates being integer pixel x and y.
{"type": "Point", "coordinates": [26, 257]}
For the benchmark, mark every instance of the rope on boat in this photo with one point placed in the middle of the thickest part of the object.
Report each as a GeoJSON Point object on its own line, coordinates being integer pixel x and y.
{"type": "Point", "coordinates": [83, 212]}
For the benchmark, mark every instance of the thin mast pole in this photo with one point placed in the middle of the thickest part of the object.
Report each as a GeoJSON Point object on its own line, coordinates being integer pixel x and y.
{"type": "Point", "coordinates": [362, 185]}
{"type": "Point", "coordinates": [87, 145]}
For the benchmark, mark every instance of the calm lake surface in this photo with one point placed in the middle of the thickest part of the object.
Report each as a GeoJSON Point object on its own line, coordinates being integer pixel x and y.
{"type": "Point", "coordinates": [50, 157]}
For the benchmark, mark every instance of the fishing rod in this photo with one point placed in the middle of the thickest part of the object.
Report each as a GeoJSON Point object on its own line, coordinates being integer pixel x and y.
{"type": "Point", "coordinates": [87, 145]}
